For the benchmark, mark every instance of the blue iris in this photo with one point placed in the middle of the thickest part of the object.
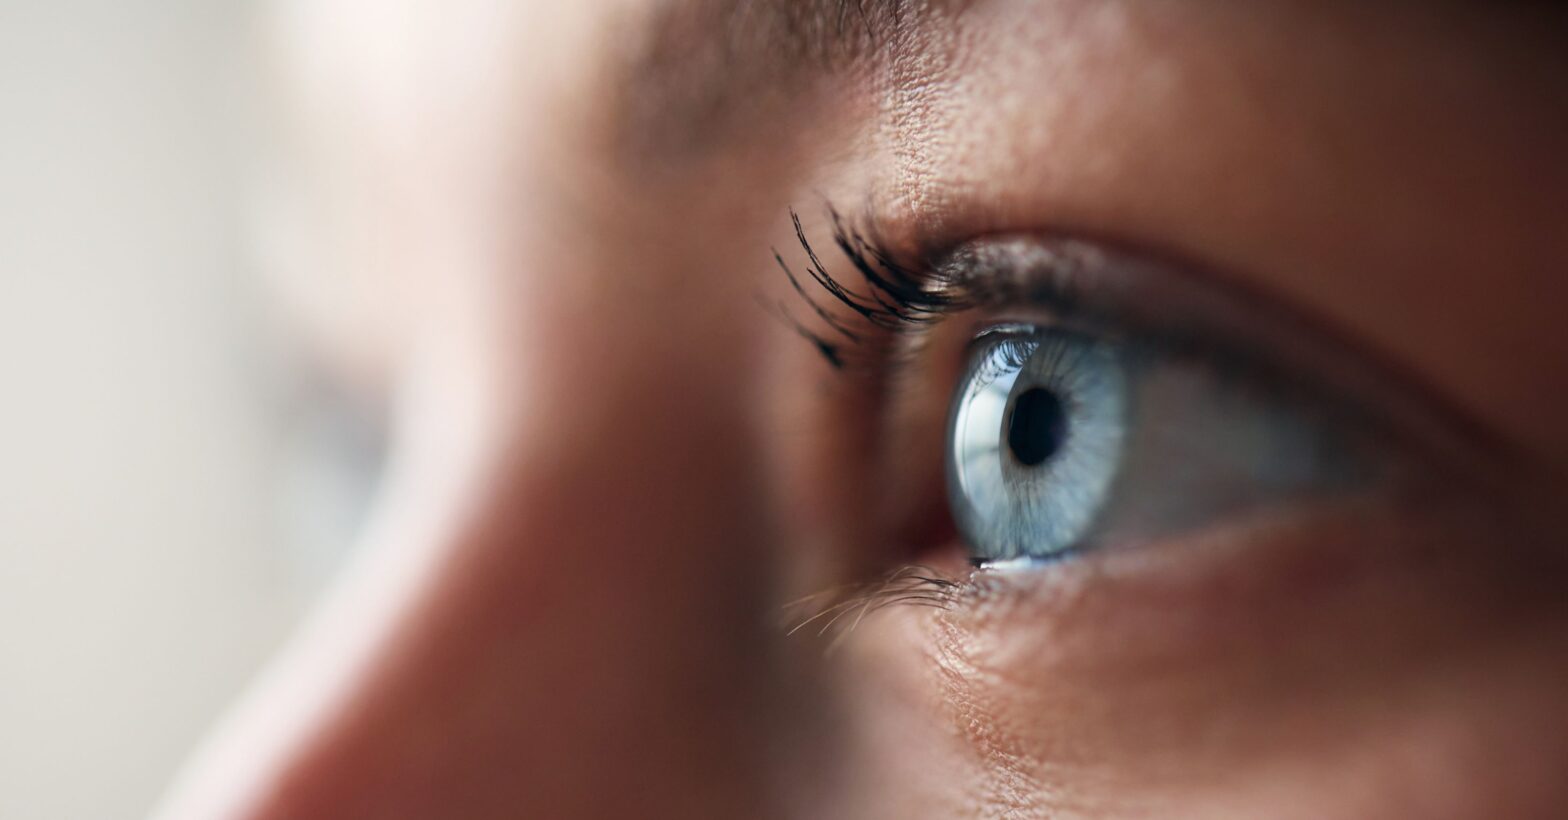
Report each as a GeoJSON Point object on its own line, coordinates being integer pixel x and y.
{"type": "Point", "coordinates": [1035, 441]}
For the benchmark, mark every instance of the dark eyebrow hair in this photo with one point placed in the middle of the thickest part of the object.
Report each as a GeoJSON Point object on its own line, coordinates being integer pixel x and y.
{"type": "Point", "coordinates": [692, 69]}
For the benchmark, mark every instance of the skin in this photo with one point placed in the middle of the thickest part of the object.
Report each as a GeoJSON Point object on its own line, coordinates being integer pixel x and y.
{"type": "Point", "coordinates": [612, 469]}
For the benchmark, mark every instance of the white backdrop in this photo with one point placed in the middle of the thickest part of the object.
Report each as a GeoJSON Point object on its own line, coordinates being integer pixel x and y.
{"type": "Point", "coordinates": [145, 569]}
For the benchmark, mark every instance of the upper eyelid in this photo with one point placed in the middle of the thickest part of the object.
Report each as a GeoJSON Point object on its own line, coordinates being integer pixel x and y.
{"type": "Point", "coordinates": [1104, 288]}
{"type": "Point", "coordinates": [1068, 280]}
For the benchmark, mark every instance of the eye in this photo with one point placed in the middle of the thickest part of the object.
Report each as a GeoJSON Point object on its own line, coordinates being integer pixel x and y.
{"type": "Point", "coordinates": [1060, 440]}
{"type": "Point", "coordinates": [1103, 399]}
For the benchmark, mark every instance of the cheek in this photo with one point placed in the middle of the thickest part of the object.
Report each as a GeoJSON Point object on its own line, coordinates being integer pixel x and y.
{"type": "Point", "coordinates": [1345, 669]}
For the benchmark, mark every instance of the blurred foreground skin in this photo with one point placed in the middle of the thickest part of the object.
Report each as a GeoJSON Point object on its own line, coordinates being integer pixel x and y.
{"type": "Point", "coordinates": [613, 468]}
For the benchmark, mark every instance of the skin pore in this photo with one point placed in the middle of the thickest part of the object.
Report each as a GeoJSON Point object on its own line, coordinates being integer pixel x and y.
{"type": "Point", "coordinates": [614, 466]}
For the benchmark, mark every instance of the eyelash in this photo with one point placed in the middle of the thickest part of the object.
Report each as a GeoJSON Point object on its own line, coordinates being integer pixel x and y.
{"type": "Point", "coordinates": [903, 298]}
{"type": "Point", "coordinates": [899, 299]}
{"type": "Point", "coordinates": [845, 606]}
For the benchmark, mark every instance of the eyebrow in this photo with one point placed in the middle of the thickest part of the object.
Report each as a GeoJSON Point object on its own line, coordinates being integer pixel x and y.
{"type": "Point", "coordinates": [695, 70]}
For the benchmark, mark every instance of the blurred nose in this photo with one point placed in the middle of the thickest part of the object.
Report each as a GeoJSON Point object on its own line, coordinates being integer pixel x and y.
{"type": "Point", "coordinates": [560, 611]}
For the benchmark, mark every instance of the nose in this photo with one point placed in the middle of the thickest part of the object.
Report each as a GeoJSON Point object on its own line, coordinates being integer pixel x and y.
{"type": "Point", "coordinates": [561, 610]}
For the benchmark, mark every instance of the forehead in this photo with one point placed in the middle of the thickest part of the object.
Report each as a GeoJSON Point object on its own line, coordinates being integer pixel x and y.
{"type": "Point", "coordinates": [1345, 155]}
{"type": "Point", "coordinates": [678, 66]}
{"type": "Point", "coordinates": [690, 68]}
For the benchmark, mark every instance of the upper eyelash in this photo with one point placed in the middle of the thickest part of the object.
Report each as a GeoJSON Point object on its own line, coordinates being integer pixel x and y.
{"type": "Point", "coordinates": [896, 298]}
{"type": "Point", "coordinates": [900, 297]}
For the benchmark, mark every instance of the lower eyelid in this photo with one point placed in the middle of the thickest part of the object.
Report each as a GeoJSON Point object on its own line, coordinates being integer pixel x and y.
{"type": "Point", "coordinates": [1194, 635]}
{"type": "Point", "coordinates": [1201, 584]}
{"type": "Point", "coordinates": [1310, 607]}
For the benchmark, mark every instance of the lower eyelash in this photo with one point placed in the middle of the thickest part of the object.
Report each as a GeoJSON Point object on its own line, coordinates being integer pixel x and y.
{"type": "Point", "coordinates": [844, 608]}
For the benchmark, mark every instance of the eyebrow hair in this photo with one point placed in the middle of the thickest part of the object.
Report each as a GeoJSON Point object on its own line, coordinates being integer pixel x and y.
{"type": "Point", "coordinates": [694, 69]}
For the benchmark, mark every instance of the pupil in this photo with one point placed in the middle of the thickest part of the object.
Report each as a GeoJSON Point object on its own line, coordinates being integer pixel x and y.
{"type": "Point", "coordinates": [1038, 427]}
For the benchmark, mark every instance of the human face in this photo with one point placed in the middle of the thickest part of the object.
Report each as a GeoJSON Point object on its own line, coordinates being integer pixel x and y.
{"type": "Point", "coordinates": [1312, 256]}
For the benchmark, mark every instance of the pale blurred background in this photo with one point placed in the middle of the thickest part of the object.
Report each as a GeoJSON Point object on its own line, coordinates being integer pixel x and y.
{"type": "Point", "coordinates": [173, 490]}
